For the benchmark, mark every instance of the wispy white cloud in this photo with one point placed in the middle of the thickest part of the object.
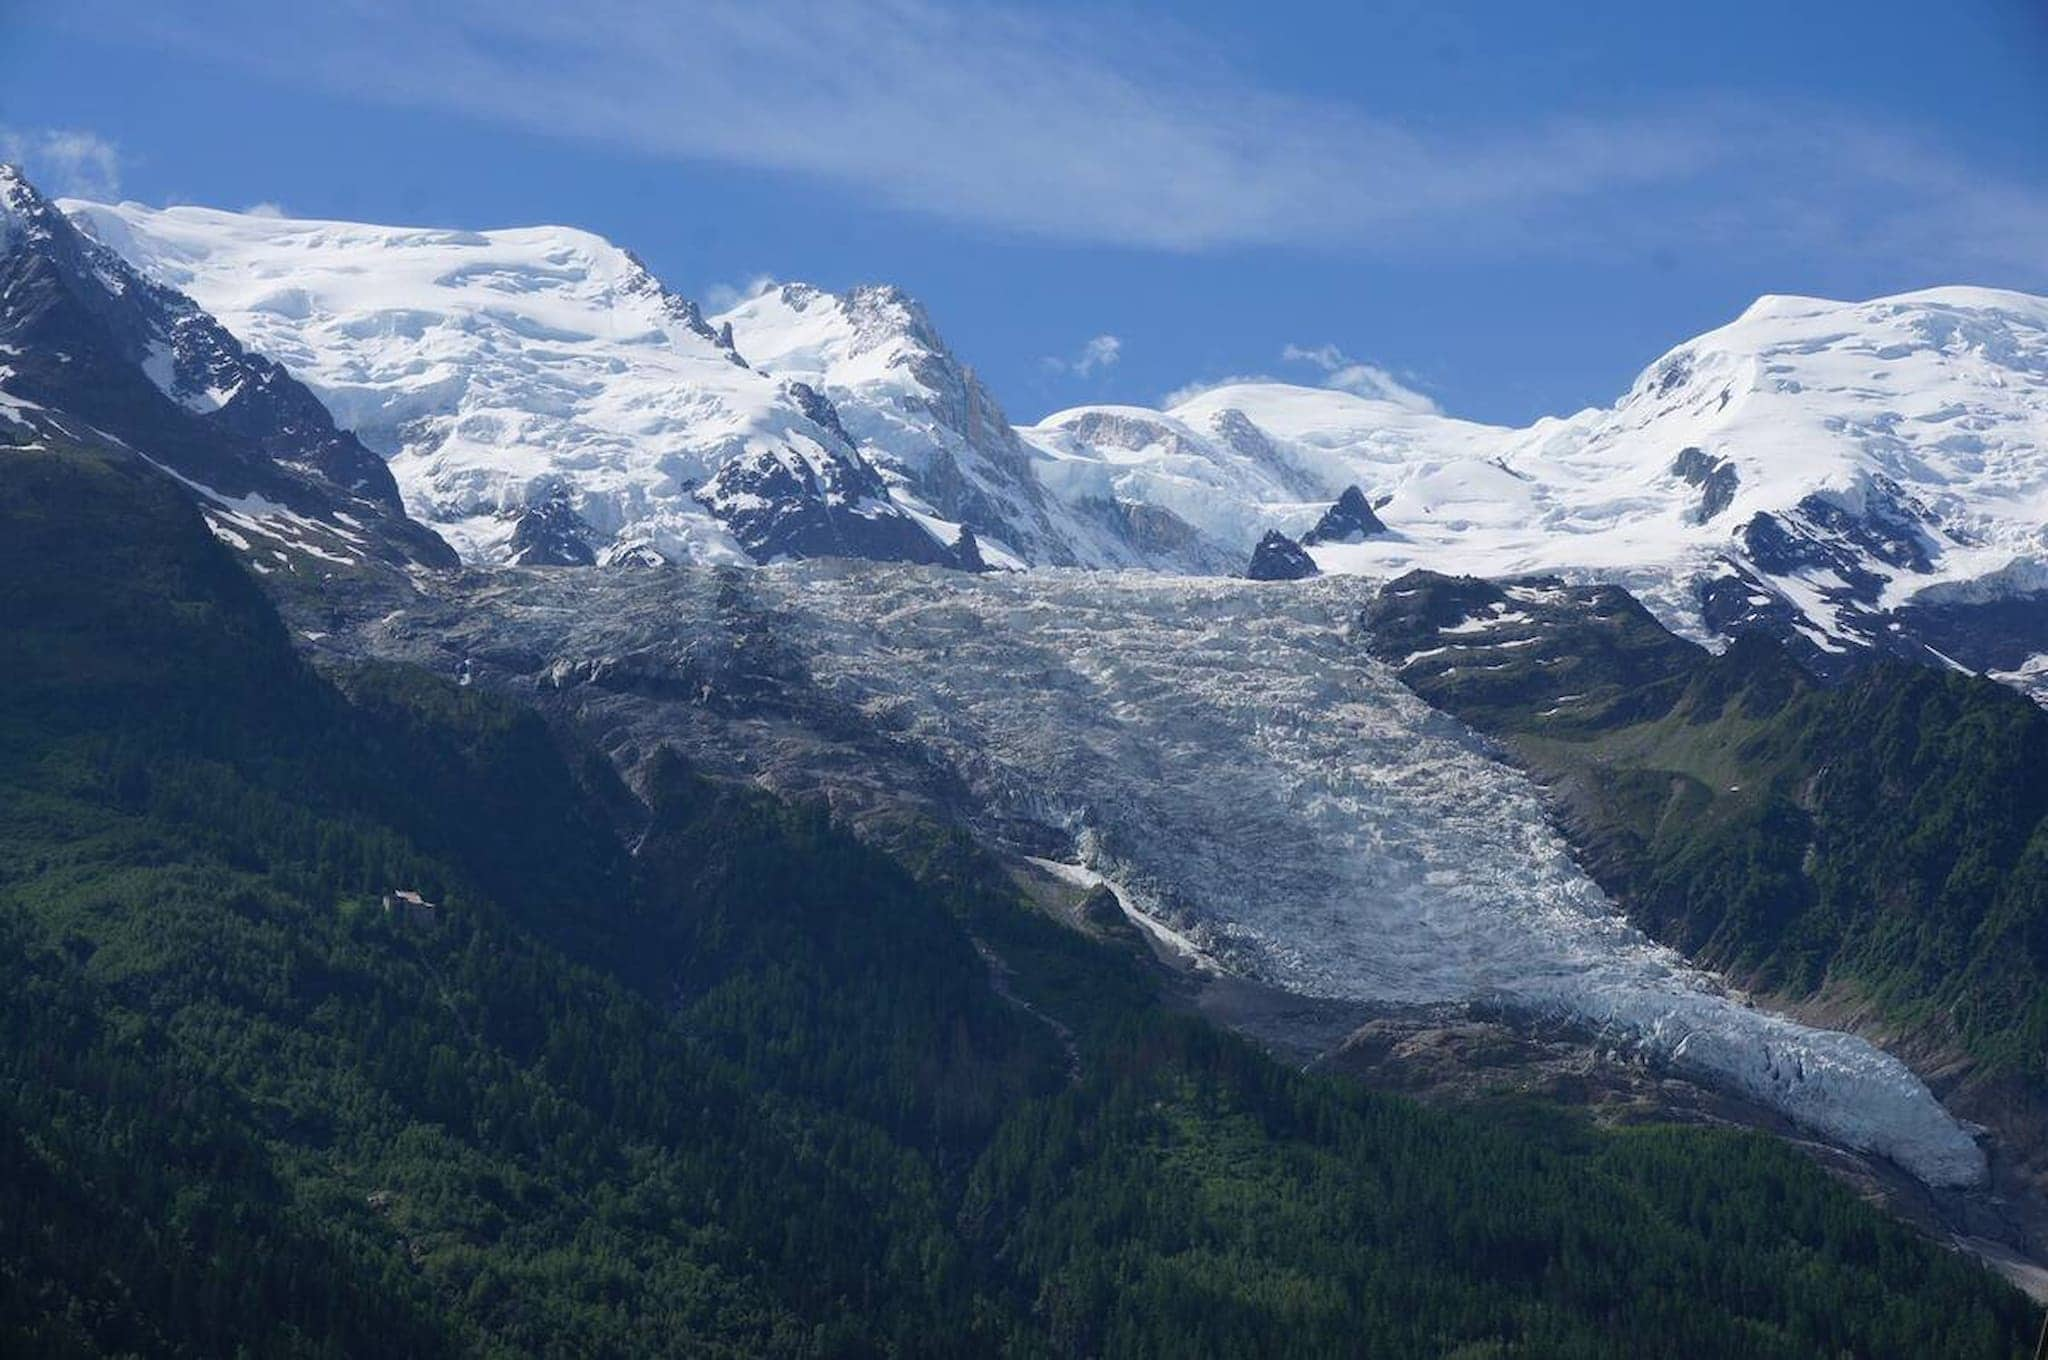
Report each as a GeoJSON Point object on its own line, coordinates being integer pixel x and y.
{"type": "Point", "coordinates": [1098, 354]}
{"type": "Point", "coordinates": [269, 207]}
{"type": "Point", "coordinates": [1115, 128]}
{"type": "Point", "coordinates": [64, 160]}
{"type": "Point", "coordinates": [1101, 352]}
{"type": "Point", "coordinates": [1347, 374]}
{"type": "Point", "coordinates": [722, 296]}
{"type": "Point", "coordinates": [1091, 128]}
{"type": "Point", "coordinates": [1336, 370]}
{"type": "Point", "coordinates": [1189, 391]}
{"type": "Point", "coordinates": [1875, 192]}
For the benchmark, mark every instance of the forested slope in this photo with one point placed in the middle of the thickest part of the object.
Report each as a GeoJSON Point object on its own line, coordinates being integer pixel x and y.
{"type": "Point", "coordinates": [748, 1090]}
{"type": "Point", "coordinates": [1879, 845]}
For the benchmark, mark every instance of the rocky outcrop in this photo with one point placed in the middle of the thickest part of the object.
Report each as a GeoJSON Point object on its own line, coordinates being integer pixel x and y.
{"type": "Point", "coordinates": [1716, 478]}
{"type": "Point", "coordinates": [779, 508]}
{"type": "Point", "coordinates": [97, 351]}
{"type": "Point", "coordinates": [967, 551]}
{"type": "Point", "coordinates": [1350, 519]}
{"type": "Point", "coordinates": [551, 534]}
{"type": "Point", "coordinates": [1279, 558]}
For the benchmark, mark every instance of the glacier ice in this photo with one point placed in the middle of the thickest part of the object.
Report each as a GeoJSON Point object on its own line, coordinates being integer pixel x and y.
{"type": "Point", "coordinates": [1227, 754]}
{"type": "Point", "coordinates": [1239, 764]}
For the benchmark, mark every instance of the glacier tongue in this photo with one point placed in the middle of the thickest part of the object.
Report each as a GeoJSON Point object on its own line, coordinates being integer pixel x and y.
{"type": "Point", "coordinates": [1225, 752]}
{"type": "Point", "coordinates": [1234, 761]}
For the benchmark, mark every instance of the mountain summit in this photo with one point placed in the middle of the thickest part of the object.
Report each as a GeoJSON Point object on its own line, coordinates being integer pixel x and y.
{"type": "Point", "coordinates": [541, 370]}
{"type": "Point", "coordinates": [937, 435]}
{"type": "Point", "coordinates": [96, 353]}
{"type": "Point", "coordinates": [1349, 520]}
{"type": "Point", "coordinates": [1845, 476]}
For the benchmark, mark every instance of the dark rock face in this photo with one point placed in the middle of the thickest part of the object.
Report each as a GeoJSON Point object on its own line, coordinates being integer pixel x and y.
{"type": "Point", "coordinates": [1847, 551]}
{"type": "Point", "coordinates": [1279, 558]}
{"type": "Point", "coordinates": [818, 407]}
{"type": "Point", "coordinates": [1677, 373]}
{"type": "Point", "coordinates": [550, 533]}
{"type": "Point", "coordinates": [102, 351]}
{"type": "Point", "coordinates": [1500, 654]}
{"type": "Point", "coordinates": [1715, 477]}
{"type": "Point", "coordinates": [1157, 530]}
{"type": "Point", "coordinates": [1101, 909]}
{"type": "Point", "coordinates": [1893, 527]}
{"type": "Point", "coordinates": [1236, 429]}
{"type": "Point", "coordinates": [783, 509]}
{"type": "Point", "coordinates": [1985, 635]}
{"type": "Point", "coordinates": [1820, 534]}
{"type": "Point", "coordinates": [835, 505]}
{"type": "Point", "coordinates": [1411, 610]}
{"type": "Point", "coordinates": [1996, 635]}
{"type": "Point", "coordinates": [1159, 535]}
{"type": "Point", "coordinates": [967, 551]}
{"type": "Point", "coordinates": [973, 468]}
{"type": "Point", "coordinates": [1739, 603]}
{"type": "Point", "coordinates": [1349, 520]}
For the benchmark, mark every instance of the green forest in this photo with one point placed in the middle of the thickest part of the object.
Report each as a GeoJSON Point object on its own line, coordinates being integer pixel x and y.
{"type": "Point", "coordinates": [747, 1087]}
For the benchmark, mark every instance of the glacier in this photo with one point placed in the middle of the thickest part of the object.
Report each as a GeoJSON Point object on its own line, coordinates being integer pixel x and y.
{"type": "Point", "coordinates": [1224, 752]}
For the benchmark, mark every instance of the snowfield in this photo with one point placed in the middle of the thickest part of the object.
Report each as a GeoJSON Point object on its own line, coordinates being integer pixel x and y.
{"type": "Point", "coordinates": [1224, 752]}
{"type": "Point", "coordinates": [1922, 418]}
{"type": "Point", "coordinates": [492, 369]}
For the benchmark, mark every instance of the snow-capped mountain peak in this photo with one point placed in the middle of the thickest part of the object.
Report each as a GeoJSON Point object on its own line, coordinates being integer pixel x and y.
{"type": "Point", "coordinates": [99, 354]}
{"type": "Point", "coordinates": [1863, 457]}
{"type": "Point", "coordinates": [1837, 473]}
{"type": "Point", "coordinates": [938, 436]}
{"type": "Point", "coordinates": [1826, 470]}
{"type": "Point", "coordinates": [539, 367]}
{"type": "Point", "coordinates": [18, 205]}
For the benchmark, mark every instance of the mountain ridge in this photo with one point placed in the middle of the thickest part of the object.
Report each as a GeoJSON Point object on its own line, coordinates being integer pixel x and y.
{"type": "Point", "coordinates": [96, 352]}
{"type": "Point", "coordinates": [516, 369]}
{"type": "Point", "coordinates": [1852, 478]}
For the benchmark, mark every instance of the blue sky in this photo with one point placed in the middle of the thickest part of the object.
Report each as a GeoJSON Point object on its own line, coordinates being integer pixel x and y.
{"type": "Point", "coordinates": [1508, 207]}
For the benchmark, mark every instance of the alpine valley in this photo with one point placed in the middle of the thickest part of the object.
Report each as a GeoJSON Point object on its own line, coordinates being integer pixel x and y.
{"type": "Point", "coordinates": [534, 819]}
